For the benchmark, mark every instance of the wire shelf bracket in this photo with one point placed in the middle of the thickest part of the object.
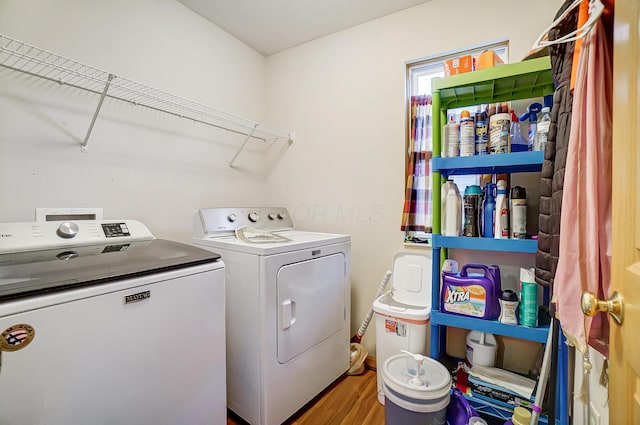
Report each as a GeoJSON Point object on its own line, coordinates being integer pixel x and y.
{"type": "Point", "coordinates": [19, 56]}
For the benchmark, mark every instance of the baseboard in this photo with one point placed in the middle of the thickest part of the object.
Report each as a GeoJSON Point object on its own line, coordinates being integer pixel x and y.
{"type": "Point", "coordinates": [370, 363]}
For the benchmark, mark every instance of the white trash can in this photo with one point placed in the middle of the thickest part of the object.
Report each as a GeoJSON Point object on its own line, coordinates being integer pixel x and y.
{"type": "Point", "coordinates": [398, 327]}
{"type": "Point", "coordinates": [402, 316]}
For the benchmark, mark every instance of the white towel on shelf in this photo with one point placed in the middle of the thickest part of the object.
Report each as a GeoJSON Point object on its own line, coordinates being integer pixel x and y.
{"type": "Point", "coordinates": [503, 378]}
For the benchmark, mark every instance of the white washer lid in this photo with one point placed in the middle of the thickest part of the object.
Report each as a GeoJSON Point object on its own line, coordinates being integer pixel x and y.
{"type": "Point", "coordinates": [412, 279]}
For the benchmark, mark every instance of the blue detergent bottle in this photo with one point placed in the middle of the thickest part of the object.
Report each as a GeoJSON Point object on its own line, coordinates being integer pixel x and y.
{"type": "Point", "coordinates": [488, 210]}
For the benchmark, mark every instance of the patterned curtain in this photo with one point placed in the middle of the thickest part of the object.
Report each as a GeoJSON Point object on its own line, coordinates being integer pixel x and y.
{"type": "Point", "coordinates": [417, 213]}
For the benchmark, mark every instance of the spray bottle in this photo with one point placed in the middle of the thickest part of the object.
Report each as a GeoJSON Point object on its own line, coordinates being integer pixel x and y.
{"type": "Point", "coordinates": [488, 210]}
{"type": "Point", "coordinates": [518, 143]}
{"type": "Point", "coordinates": [532, 116]}
{"type": "Point", "coordinates": [501, 222]}
{"type": "Point", "coordinates": [518, 212]}
{"type": "Point", "coordinates": [451, 143]}
{"type": "Point", "coordinates": [467, 134]}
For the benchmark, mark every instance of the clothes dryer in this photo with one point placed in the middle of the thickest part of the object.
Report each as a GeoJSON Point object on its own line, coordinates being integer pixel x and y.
{"type": "Point", "coordinates": [287, 305]}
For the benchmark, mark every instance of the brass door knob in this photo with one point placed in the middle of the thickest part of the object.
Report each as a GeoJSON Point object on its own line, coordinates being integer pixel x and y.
{"type": "Point", "coordinates": [614, 305]}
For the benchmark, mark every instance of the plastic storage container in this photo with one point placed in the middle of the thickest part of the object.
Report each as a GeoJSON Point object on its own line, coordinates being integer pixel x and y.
{"type": "Point", "coordinates": [402, 316]}
{"type": "Point", "coordinates": [416, 390]}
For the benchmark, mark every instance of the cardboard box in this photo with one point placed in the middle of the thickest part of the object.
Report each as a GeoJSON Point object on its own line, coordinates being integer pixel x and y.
{"type": "Point", "coordinates": [458, 65]}
{"type": "Point", "coordinates": [487, 59]}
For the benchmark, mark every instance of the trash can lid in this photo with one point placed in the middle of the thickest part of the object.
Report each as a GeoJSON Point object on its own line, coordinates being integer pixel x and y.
{"type": "Point", "coordinates": [399, 371]}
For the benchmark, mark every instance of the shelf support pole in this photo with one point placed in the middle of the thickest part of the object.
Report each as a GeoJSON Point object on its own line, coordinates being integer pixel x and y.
{"type": "Point", "coordinates": [95, 114]}
{"type": "Point", "coordinates": [243, 145]}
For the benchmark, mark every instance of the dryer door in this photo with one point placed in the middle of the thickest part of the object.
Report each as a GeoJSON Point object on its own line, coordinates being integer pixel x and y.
{"type": "Point", "coordinates": [311, 304]}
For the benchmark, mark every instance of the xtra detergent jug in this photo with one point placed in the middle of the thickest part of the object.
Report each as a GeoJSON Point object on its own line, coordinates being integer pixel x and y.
{"type": "Point", "coordinates": [474, 295]}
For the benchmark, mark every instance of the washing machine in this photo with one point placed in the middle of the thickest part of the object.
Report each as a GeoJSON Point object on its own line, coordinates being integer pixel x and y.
{"type": "Point", "coordinates": [101, 323]}
{"type": "Point", "coordinates": [287, 308]}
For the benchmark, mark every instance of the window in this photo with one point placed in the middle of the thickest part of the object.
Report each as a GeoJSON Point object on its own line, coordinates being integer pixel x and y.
{"type": "Point", "coordinates": [417, 212]}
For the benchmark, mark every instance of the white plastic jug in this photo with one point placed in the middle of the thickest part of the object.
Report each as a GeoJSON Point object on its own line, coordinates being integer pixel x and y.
{"type": "Point", "coordinates": [451, 209]}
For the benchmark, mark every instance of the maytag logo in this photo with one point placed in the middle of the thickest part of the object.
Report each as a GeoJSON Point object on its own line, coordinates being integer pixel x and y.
{"type": "Point", "coordinates": [6, 235]}
{"type": "Point", "coordinates": [134, 298]}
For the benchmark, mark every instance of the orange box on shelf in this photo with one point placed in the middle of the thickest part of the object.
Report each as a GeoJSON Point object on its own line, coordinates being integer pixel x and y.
{"type": "Point", "coordinates": [458, 65]}
{"type": "Point", "coordinates": [487, 59]}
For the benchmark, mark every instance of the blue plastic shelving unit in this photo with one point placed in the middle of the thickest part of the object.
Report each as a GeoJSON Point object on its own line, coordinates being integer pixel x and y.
{"type": "Point", "coordinates": [522, 80]}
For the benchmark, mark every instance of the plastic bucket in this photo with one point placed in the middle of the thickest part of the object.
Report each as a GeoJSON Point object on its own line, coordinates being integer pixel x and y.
{"type": "Point", "coordinates": [410, 404]}
{"type": "Point", "coordinates": [481, 350]}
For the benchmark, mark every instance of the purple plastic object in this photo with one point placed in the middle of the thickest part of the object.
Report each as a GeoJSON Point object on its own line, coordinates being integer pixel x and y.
{"type": "Point", "coordinates": [459, 410]}
{"type": "Point", "coordinates": [473, 295]}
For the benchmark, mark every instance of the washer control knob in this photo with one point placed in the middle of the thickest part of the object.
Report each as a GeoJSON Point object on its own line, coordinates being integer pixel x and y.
{"type": "Point", "coordinates": [67, 230]}
{"type": "Point", "coordinates": [281, 216]}
{"type": "Point", "coordinates": [232, 217]}
{"type": "Point", "coordinates": [271, 216]}
{"type": "Point", "coordinates": [253, 217]}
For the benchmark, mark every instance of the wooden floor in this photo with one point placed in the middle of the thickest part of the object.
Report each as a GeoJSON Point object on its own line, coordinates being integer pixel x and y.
{"type": "Point", "coordinates": [350, 400]}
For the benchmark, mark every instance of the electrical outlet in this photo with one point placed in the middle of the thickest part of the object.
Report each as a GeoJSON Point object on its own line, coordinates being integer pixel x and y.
{"type": "Point", "coordinates": [594, 416]}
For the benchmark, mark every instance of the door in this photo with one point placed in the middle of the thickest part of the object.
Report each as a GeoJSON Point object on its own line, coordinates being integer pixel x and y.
{"type": "Point", "coordinates": [311, 304]}
{"type": "Point", "coordinates": [624, 382]}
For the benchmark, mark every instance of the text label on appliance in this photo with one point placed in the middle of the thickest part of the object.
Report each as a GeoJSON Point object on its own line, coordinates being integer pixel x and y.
{"type": "Point", "coordinates": [134, 298]}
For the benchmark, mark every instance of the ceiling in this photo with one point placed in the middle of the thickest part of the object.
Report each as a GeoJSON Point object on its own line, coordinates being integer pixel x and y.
{"type": "Point", "coordinates": [269, 26]}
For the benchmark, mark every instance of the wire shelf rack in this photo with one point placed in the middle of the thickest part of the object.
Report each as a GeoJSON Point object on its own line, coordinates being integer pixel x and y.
{"type": "Point", "coordinates": [31, 60]}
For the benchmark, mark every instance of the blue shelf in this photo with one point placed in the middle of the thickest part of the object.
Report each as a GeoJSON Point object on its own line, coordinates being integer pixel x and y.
{"type": "Point", "coordinates": [497, 411]}
{"type": "Point", "coordinates": [485, 244]}
{"type": "Point", "coordinates": [515, 162]}
{"type": "Point", "coordinates": [492, 326]}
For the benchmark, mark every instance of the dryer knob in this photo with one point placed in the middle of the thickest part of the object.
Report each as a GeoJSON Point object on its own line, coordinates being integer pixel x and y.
{"type": "Point", "coordinates": [253, 217]}
{"type": "Point", "coordinates": [272, 216]}
{"type": "Point", "coordinates": [232, 217]}
{"type": "Point", "coordinates": [67, 230]}
{"type": "Point", "coordinates": [281, 216]}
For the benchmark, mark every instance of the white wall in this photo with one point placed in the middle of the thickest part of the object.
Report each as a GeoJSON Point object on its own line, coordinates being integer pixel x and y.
{"type": "Point", "coordinates": [141, 164]}
{"type": "Point", "coordinates": [344, 96]}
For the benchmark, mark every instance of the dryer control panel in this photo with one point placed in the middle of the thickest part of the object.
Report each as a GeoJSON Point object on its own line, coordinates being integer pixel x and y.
{"type": "Point", "coordinates": [223, 221]}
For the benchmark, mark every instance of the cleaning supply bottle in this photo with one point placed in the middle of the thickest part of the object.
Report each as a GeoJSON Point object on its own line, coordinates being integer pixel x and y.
{"type": "Point", "coordinates": [528, 298]}
{"type": "Point", "coordinates": [518, 143]}
{"type": "Point", "coordinates": [499, 126]}
{"type": "Point", "coordinates": [543, 129]}
{"type": "Point", "coordinates": [488, 211]}
{"type": "Point", "coordinates": [508, 307]}
{"type": "Point", "coordinates": [532, 116]}
{"type": "Point", "coordinates": [501, 222]}
{"type": "Point", "coordinates": [472, 204]}
{"type": "Point", "coordinates": [451, 213]}
{"type": "Point", "coordinates": [521, 416]}
{"type": "Point", "coordinates": [518, 213]}
{"type": "Point", "coordinates": [482, 133]}
{"type": "Point", "coordinates": [467, 134]}
{"type": "Point", "coordinates": [451, 143]}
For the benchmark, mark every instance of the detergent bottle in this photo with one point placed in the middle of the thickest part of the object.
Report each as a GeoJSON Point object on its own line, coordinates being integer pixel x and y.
{"type": "Point", "coordinates": [451, 212]}
{"type": "Point", "coordinates": [472, 206]}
